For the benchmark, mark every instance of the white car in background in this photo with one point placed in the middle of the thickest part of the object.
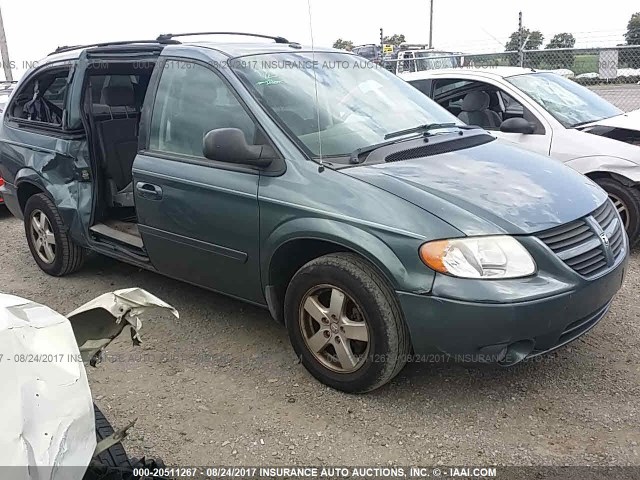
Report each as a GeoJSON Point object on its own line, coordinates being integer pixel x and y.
{"type": "Point", "coordinates": [549, 114]}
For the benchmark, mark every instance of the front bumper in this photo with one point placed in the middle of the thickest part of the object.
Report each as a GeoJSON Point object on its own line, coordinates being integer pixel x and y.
{"type": "Point", "coordinates": [477, 331]}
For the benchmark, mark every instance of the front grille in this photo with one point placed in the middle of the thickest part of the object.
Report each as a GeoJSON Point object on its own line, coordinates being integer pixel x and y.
{"type": "Point", "coordinates": [590, 245]}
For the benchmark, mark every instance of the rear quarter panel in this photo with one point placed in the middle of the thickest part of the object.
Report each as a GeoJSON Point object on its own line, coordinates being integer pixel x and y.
{"type": "Point", "coordinates": [53, 165]}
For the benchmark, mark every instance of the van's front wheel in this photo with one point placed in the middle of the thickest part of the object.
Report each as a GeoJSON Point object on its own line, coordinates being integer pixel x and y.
{"type": "Point", "coordinates": [345, 323]}
{"type": "Point", "coordinates": [50, 244]}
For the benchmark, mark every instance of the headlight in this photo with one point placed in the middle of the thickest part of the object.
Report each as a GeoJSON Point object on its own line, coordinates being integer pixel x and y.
{"type": "Point", "coordinates": [479, 257]}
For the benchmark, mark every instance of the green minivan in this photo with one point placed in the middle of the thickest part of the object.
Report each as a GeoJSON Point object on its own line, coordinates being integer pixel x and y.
{"type": "Point", "coordinates": [371, 222]}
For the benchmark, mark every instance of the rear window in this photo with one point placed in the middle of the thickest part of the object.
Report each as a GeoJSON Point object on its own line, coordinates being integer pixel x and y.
{"type": "Point", "coordinates": [41, 99]}
{"type": "Point", "coordinates": [444, 86]}
{"type": "Point", "coordinates": [55, 92]}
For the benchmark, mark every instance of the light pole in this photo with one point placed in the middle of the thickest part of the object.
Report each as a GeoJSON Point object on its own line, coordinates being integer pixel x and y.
{"type": "Point", "coordinates": [431, 25]}
{"type": "Point", "coordinates": [4, 51]}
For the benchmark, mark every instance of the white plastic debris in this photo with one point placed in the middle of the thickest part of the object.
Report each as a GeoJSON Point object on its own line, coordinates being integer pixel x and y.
{"type": "Point", "coordinates": [46, 409]}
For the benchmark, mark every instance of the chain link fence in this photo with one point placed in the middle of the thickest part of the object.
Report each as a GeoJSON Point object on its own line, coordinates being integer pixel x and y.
{"type": "Point", "coordinates": [614, 73]}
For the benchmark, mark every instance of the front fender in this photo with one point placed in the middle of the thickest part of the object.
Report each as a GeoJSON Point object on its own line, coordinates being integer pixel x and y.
{"type": "Point", "coordinates": [394, 253]}
{"type": "Point", "coordinates": [620, 167]}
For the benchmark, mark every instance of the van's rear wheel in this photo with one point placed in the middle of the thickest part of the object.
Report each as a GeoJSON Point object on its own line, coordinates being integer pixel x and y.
{"type": "Point", "coordinates": [627, 202]}
{"type": "Point", "coordinates": [345, 323]}
{"type": "Point", "coordinates": [49, 242]}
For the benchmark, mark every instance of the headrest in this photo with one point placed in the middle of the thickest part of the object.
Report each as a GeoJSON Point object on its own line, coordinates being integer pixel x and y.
{"type": "Point", "coordinates": [118, 96]}
{"type": "Point", "coordinates": [475, 101]}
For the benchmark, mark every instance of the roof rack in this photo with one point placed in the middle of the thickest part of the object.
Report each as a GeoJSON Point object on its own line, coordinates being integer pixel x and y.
{"type": "Point", "coordinates": [169, 36]}
{"type": "Point", "coordinates": [69, 48]}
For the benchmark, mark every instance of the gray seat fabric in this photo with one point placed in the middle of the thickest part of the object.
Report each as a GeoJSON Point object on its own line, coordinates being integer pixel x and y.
{"type": "Point", "coordinates": [475, 111]}
{"type": "Point", "coordinates": [118, 141]}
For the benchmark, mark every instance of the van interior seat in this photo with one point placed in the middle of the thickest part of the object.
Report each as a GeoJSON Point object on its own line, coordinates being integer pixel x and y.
{"type": "Point", "coordinates": [118, 142]}
{"type": "Point", "coordinates": [475, 110]}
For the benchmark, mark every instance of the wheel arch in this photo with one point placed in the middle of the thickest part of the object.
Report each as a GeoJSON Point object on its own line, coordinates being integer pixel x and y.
{"type": "Point", "coordinates": [598, 174]}
{"type": "Point", "coordinates": [299, 241]}
{"type": "Point", "coordinates": [27, 189]}
{"type": "Point", "coordinates": [599, 166]}
{"type": "Point", "coordinates": [28, 182]}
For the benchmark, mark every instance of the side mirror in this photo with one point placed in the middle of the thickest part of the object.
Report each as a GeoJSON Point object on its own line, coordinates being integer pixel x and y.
{"type": "Point", "coordinates": [517, 125]}
{"type": "Point", "coordinates": [230, 145]}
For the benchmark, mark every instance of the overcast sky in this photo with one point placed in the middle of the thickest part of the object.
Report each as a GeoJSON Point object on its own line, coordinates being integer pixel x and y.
{"type": "Point", "coordinates": [34, 28]}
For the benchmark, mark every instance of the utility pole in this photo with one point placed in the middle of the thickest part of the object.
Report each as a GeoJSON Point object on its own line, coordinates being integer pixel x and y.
{"type": "Point", "coordinates": [520, 42]}
{"type": "Point", "coordinates": [431, 25]}
{"type": "Point", "coordinates": [4, 51]}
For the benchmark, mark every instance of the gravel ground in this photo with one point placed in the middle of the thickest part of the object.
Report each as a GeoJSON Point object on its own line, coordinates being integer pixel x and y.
{"type": "Point", "coordinates": [221, 386]}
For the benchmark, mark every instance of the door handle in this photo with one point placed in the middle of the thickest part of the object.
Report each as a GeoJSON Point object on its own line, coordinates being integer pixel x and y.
{"type": "Point", "coordinates": [149, 190]}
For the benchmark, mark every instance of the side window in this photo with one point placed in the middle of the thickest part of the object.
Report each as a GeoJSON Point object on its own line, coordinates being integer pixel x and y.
{"type": "Point", "coordinates": [514, 109]}
{"type": "Point", "coordinates": [55, 92]}
{"type": "Point", "coordinates": [41, 99]}
{"type": "Point", "coordinates": [423, 85]}
{"type": "Point", "coordinates": [192, 100]}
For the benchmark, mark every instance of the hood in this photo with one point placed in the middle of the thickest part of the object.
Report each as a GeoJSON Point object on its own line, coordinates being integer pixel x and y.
{"type": "Point", "coordinates": [623, 128]}
{"type": "Point", "coordinates": [489, 189]}
{"type": "Point", "coordinates": [628, 121]}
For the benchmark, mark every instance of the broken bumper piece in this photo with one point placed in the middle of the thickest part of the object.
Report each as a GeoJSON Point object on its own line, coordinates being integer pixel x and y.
{"type": "Point", "coordinates": [46, 409]}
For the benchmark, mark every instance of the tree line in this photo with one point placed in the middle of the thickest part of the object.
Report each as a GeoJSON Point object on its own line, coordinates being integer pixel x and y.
{"type": "Point", "coordinates": [533, 40]}
{"type": "Point", "coordinates": [395, 40]}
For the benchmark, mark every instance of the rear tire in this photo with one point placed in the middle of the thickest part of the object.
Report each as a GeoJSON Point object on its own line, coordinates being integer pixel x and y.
{"type": "Point", "coordinates": [345, 286]}
{"type": "Point", "coordinates": [50, 243]}
{"type": "Point", "coordinates": [116, 456]}
{"type": "Point", "coordinates": [627, 199]}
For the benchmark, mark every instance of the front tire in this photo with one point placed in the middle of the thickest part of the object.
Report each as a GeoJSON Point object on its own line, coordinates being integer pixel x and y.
{"type": "Point", "coordinates": [627, 202]}
{"type": "Point", "coordinates": [50, 243]}
{"type": "Point", "coordinates": [345, 323]}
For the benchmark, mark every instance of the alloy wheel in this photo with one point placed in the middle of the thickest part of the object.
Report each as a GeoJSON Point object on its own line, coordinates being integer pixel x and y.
{"type": "Point", "coordinates": [42, 237]}
{"type": "Point", "coordinates": [622, 209]}
{"type": "Point", "coordinates": [334, 328]}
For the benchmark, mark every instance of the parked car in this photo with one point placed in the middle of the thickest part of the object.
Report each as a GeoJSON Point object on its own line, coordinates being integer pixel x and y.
{"type": "Point", "coordinates": [415, 58]}
{"type": "Point", "coordinates": [551, 115]}
{"type": "Point", "coordinates": [370, 221]}
{"type": "Point", "coordinates": [5, 92]}
{"type": "Point", "coordinates": [371, 52]}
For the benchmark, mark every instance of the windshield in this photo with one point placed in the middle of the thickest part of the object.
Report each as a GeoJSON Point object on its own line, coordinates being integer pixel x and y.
{"type": "Point", "coordinates": [358, 103]}
{"type": "Point", "coordinates": [571, 104]}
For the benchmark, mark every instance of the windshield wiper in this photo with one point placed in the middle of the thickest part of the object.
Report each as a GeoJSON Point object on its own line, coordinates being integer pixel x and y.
{"type": "Point", "coordinates": [423, 128]}
{"type": "Point", "coordinates": [391, 138]}
{"type": "Point", "coordinates": [581, 124]}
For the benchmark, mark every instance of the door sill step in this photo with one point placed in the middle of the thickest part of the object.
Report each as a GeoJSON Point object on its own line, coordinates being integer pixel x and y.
{"type": "Point", "coordinates": [122, 232]}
